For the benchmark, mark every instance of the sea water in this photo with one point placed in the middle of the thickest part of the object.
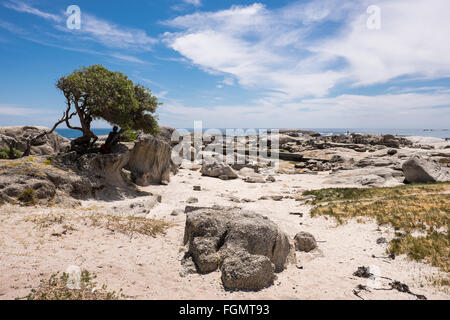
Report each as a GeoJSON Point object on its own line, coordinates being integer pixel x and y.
{"type": "Point", "coordinates": [436, 133]}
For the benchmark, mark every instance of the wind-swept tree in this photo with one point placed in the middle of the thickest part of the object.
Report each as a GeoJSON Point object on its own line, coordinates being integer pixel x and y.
{"type": "Point", "coordinates": [97, 93]}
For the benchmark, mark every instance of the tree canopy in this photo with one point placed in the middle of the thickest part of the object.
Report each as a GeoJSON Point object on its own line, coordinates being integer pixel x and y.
{"type": "Point", "coordinates": [98, 93]}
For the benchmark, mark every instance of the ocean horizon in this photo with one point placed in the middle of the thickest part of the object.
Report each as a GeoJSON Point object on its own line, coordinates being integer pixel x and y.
{"type": "Point", "coordinates": [435, 133]}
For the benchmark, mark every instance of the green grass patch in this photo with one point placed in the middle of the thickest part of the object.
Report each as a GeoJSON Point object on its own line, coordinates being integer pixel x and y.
{"type": "Point", "coordinates": [434, 248]}
{"type": "Point", "coordinates": [417, 208]}
{"type": "Point", "coordinates": [128, 136]}
{"type": "Point", "coordinates": [48, 161]}
{"type": "Point", "coordinates": [335, 194]}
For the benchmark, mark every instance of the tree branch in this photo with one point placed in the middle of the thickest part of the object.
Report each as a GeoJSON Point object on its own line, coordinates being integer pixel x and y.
{"type": "Point", "coordinates": [68, 125]}
{"type": "Point", "coordinates": [65, 118]}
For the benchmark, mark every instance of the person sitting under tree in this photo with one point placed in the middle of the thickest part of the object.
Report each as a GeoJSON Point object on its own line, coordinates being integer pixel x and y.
{"type": "Point", "coordinates": [112, 140]}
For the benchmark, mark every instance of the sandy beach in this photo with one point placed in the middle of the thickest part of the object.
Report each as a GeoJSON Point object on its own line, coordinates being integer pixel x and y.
{"type": "Point", "coordinates": [150, 267]}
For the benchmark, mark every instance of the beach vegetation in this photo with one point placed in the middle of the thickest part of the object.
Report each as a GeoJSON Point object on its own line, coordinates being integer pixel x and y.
{"type": "Point", "coordinates": [27, 197]}
{"type": "Point", "coordinates": [56, 288]}
{"type": "Point", "coordinates": [130, 225]}
{"type": "Point", "coordinates": [419, 213]}
{"type": "Point", "coordinates": [5, 153]}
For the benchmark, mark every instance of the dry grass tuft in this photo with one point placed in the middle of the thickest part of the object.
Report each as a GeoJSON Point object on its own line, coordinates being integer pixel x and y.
{"type": "Point", "coordinates": [27, 197]}
{"type": "Point", "coordinates": [434, 248]}
{"type": "Point", "coordinates": [130, 225]}
{"type": "Point", "coordinates": [44, 221]}
{"type": "Point", "coordinates": [56, 288]}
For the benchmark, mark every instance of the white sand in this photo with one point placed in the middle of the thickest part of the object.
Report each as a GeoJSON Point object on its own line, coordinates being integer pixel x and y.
{"type": "Point", "coordinates": [149, 268]}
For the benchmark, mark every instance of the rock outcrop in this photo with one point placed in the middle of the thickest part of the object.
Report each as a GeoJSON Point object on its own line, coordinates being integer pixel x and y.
{"type": "Point", "coordinates": [218, 170]}
{"type": "Point", "coordinates": [107, 167]}
{"type": "Point", "coordinates": [101, 174]}
{"type": "Point", "coordinates": [49, 144]}
{"type": "Point", "coordinates": [247, 247]}
{"type": "Point", "coordinates": [370, 176]}
{"type": "Point", "coordinates": [150, 161]}
{"type": "Point", "coordinates": [419, 169]}
{"type": "Point", "coordinates": [67, 177]}
{"type": "Point", "coordinates": [169, 135]}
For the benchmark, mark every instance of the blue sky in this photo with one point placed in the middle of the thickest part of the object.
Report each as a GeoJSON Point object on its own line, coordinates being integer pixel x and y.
{"type": "Point", "coordinates": [264, 64]}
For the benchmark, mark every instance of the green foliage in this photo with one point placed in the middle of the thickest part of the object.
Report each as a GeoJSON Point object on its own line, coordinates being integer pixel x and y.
{"type": "Point", "coordinates": [4, 153]}
{"type": "Point", "coordinates": [344, 194]}
{"type": "Point", "coordinates": [103, 94]}
{"type": "Point", "coordinates": [27, 197]}
{"type": "Point", "coordinates": [128, 135]}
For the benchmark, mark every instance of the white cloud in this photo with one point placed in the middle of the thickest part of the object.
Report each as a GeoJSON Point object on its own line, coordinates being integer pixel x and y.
{"type": "Point", "coordinates": [30, 37]}
{"type": "Point", "coordinates": [410, 42]}
{"type": "Point", "coordinates": [286, 51]}
{"type": "Point", "coordinates": [23, 7]}
{"type": "Point", "coordinates": [14, 110]}
{"type": "Point", "coordinates": [93, 28]}
{"type": "Point", "coordinates": [218, 42]}
{"type": "Point", "coordinates": [12, 28]}
{"type": "Point", "coordinates": [228, 81]}
{"type": "Point", "coordinates": [411, 110]}
{"type": "Point", "coordinates": [127, 58]}
{"type": "Point", "coordinates": [112, 35]}
{"type": "Point", "coordinates": [196, 3]}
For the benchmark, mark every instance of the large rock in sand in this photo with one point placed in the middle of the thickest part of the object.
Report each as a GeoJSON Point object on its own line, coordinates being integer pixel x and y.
{"type": "Point", "coordinates": [305, 241]}
{"type": "Point", "coordinates": [247, 247]}
{"type": "Point", "coordinates": [218, 169]}
{"type": "Point", "coordinates": [49, 144]}
{"type": "Point", "coordinates": [150, 161]}
{"type": "Point", "coordinates": [419, 169]}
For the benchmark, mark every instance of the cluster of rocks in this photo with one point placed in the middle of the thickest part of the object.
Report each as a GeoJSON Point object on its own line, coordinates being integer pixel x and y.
{"type": "Point", "coordinates": [221, 170]}
{"type": "Point", "coordinates": [246, 247]}
{"type": "Point", "coordinates": [363, 159]}
{"type": "Point", "coordinates": [356, 142]}
{"type": "Point", "coordinates": [48, 144]}
{"type": "Point", "coordinates": [93, 175]}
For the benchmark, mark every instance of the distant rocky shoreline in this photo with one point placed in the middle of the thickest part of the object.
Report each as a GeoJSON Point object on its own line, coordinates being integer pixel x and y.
{"type": "Point", "coordinates": [367, 160]}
